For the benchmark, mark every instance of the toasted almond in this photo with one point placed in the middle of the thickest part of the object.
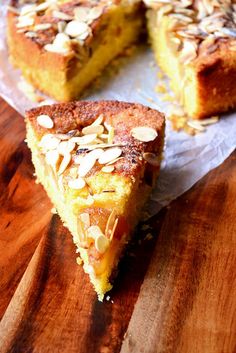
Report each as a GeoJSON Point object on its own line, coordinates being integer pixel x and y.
{"type": "Point", "coordinates": [111, 134]}
{"type": "Point", "coordinates": [65, 147]}
{"type": "Point", "coordinates": [212, 120]}
{"type": "Point", "coordinates": [45, 121]}
{"type": "Point", "coordinates": [52, 158]}
{"type": "Point", "coordinates": [108, 169]}
{"type": "Point", "coordinates": [152, 159]}
{"type": "Point", "coordinates": [88, 161]}
{"type": "Point", "coordinates": [61, 15]}
{"type": "Point", "coordinates": [84, 140]}
{"type": "Point", "coordinates": [73, 172]}
{"type": "Point", "coordinates": [93, 129]}
{"type": "Point", "coordinates": [196, 125]}
{"type": "Point", "coordinates": [42, 26]}
{"type": "Point", "coordinates": [94, 231]}
{"type": "Point", "coordinates": [49, 142]}
{"type": "Point", "coordinates": [115, 160]}
{"type": "Point", "coordinates": [144, 133]}
{"type": "Point", "coordinates": [85, 218]}
{"type": "Point", "coordinates": [95, 12]}
{"type": "Point", "coordinates": [76, 28]}
{"type": "Point", "coordinates": [98, 121]}
{"type": "Point", "coordinates": [76, 184]}
{"type": "Point", "coordinates": [81, 231]}
{"type": "Point", "coordinates": [101, 244]}
{"type": "Point", "coordinates": [25, 21]}
{"type": "Point", "coordinates": [109, 155]}
{"type": "Point", "coordinates": [110, 223]}
{"type": "Point", "coordinates": [114, 229]}
{"type": "Point", "coordinates": [64, 164]}
{"type": "Point", "coordinates": [81, 12]}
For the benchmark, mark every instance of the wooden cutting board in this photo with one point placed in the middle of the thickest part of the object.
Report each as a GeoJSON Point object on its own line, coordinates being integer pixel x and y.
{"type": "Point", "coordinates": [175, 292]}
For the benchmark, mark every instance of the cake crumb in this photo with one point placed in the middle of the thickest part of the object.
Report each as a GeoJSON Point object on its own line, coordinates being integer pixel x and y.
{"type": "Point", "coordinates": [54, 210]}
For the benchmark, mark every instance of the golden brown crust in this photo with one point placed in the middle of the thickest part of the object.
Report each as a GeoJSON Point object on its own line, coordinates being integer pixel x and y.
{"type": "Point", "coordinates": [121, 115]}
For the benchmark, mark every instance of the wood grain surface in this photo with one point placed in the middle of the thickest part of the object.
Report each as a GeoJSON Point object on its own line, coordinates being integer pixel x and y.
{"type": "Point", "coordinates": [174, 293]}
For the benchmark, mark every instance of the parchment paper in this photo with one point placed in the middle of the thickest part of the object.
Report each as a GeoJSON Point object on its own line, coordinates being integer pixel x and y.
{"type": "Point", "coordinates": [187, 158]}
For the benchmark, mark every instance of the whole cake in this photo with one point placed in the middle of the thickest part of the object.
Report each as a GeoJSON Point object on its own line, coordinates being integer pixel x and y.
{"type": "Point", "coordinates": [98, 162]}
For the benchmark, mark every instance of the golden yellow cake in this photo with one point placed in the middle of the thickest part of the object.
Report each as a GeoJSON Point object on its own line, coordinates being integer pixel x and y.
{"type": "Point", "coordinates": [62, 46]}
{"type": "Point", "coordinates": [98, 162]}
{"type": "Point", "coordinates": [195, 45]}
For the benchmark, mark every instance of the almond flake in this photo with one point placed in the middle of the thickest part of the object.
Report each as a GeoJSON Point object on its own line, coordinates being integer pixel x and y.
{"type": "Point", "coordinates": [76, 28]}
{"type": "Point", "coordinates": [61, 15]}
{"type": "Point", "coordinates": [101, 244]}
{"type": "Point", "coordinates": [76, 184]}
{"type": "Point", "coordinates": [144, 133]}
{"type": "Point", "coordinates": [110, 223]}
{"type": "Point", "coordinates": [152, 159]}
{"type": "Point", "coordinates": [212, 120]}
{"type": "Point", "coordinates": [25, 22]}
{"type": "Point", "coordinates": [108, 168]}
{"type": "Point", "coordinates": [42, 26]}
{"type": "Point", "coordinates": [84, 140]}
{"type": "Point", "coordinates": [94, 13]}
{"type": "Point", "coordinates": [93, 129]}
{"type": "Point", "coordinates": [81, 13]}
{"type": "Point", "coordinates": [94, 232]}
{"type": "Point", "coordinates": [66, 147]}
{"type": "Point", "coordinates": [196, 125]}
{"type": "Point", "coordinates": [88, 161]}
{"type": "Point", "coordinates": [114, 229]}
{"type": "Point", "coordinates": [52, 157]}
{"type": "Point", "coordinates": [45, 121]}
{"type": "Point", "coordinates": [85, 218]}
{"type": "Point", "coordinates": [98, 121]}
{"type": "Point", "coordinates": [64, 164]}
{"type": "Point", "coordinates": [49, 142]}
{"type": "Point", "coordinates": [109, 155]}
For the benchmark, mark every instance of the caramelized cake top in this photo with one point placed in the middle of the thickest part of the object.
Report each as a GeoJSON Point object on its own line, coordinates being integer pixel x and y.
{"type": "Point", "coordinates": [119, 136]}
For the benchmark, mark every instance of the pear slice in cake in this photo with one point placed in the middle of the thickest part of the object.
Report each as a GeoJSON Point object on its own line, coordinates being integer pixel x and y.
{"type": "Point", "coordinates": [98, 162]}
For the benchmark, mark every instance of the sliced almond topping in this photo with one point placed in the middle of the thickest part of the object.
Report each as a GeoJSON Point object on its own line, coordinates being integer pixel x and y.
{"type": "Point", "coordinates": [152, 159]}
{"type": "Point", "coordinates": [110, 223]}
{"type": "Point", "coordinates": [144, 133]}
{"type": "Point", "coordinates": [212, 120]}
{"type": "Point", "coordinates": [196, 125]}
{"type": "Point", "coordinates": [49, 142]}
{"type": "Point", "coordinates": [94, 232]}
{"type": "Point", "coordinates": [88, 161]}
{"type": "Point", "coordinates": [45, 121]}
{"type": "Point", "coordinates": [109, 155]}
{"type": "Point", "coordinates": [98, 121]}
{"type": "Point", "coordinates": [115, 160]}
{"type": "Point", "coordinates": [25, 21]}
{"type": "Point", "coordinates": [52, 157]}
{"type": "Point", "coordinates": [76, 184]}
{"type": "Point", "coordinates": [76, 28]}
{"type": "Point", "coordinates": [84, 140]}
{"type": "Point", "coordinates": [101, 244]}
{"type": "Point", "coordinates": [66, 147]}
{"type": "Point", "coordinates": [61, 15]}
{"type": "Point", "coordinates": [108, 169]}
{"type": "Point", "coordinates": [85, 218]}
{"type": "Point", "coordinates": [94, 13]}
{"type": "Point", "coordinates": [81, 13]}
{"type": "Point", "coordinates": [42, 26]}
{"type": "Point", "coordinates": [93, 129]}
{"type": "Point", "coordinates": [114, 229]}
{"type": "Point", "coordinates": [64, 164]}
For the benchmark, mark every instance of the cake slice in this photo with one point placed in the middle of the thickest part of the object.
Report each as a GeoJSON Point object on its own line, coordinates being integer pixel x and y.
{"type": "Point", "coordinates": [98, 162]}
{"type": "Point", "coordinates": [68, 43]}
{"type": "Point", "coordinates": [195, 45]}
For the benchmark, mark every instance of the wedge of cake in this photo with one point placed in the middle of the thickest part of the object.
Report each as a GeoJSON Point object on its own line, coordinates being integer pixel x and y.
{"type": "Point", "coordinates": [195, 45]}
{"type": "Point", "coordinates": [98, 162]}
{"type": "Point", "coordinates": [68, 43]}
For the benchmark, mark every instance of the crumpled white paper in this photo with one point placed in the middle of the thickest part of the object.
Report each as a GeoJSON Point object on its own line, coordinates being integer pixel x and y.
{"type": "Point", "coordinates": [187, 158]}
